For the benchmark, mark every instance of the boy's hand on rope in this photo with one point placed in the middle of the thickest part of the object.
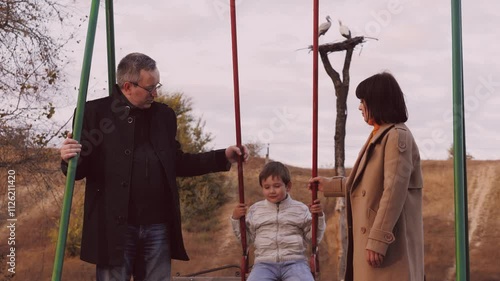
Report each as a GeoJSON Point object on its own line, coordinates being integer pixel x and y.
{"type": "Point", "coordinates": [239, 211]}
{"type": "Point", "coordinates": [316, 208]}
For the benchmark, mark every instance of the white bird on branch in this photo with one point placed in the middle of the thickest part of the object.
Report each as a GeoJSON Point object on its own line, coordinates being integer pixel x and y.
{"type": "Point", "coordinates": [323, 28]}
{"type": "Point", "coordinates": [344, 30]}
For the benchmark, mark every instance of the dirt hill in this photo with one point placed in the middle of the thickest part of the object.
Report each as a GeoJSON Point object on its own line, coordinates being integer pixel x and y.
{"type": "Point", "coordinates": [38, 206]}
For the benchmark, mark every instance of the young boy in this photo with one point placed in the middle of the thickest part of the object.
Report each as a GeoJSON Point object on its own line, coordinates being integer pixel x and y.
{"type": "Point", "coordinates": [279, 227]}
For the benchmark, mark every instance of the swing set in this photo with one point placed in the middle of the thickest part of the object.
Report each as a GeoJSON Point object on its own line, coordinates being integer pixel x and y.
{"type": "Point", "coordinates": [461, 233]}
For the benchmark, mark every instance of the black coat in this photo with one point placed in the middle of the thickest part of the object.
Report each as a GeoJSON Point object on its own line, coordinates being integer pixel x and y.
{"type": "Point", "coordinates": [106, 161]}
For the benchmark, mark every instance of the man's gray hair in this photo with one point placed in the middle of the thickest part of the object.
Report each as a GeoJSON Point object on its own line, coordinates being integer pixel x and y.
{"type": "Point", "coordinates": [129, 68]}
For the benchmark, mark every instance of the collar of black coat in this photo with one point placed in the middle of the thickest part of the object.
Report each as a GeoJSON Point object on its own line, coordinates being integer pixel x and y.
{"type": "Point", "coordinates": [122, 106]}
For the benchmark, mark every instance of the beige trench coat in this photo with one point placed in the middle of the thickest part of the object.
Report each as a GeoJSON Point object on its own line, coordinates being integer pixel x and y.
{"type": "Point", "coordinates": [384, 207]}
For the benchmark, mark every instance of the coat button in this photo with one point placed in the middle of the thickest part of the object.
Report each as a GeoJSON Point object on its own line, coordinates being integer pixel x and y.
{"type": "Point", "coordinates": [127, 151]}
{"type": "Point", "coordinates": [124, 184]}
{"type": "Point", "coordinates": [388, 237]}
{"type": "Point", "coordinates": [363, 230]}
{"type": "Point", "coordinates": [120, 220]}
{"type": "Point", "coordinates": [130, 120]}
{"type": "Point", "coordinates": [363, 193]}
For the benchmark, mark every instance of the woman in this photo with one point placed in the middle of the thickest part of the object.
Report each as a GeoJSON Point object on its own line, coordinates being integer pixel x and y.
{"type": "Point", "coordinates": [384, 191]}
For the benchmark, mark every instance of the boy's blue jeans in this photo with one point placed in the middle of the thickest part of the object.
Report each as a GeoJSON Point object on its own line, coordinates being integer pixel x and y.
{"type": "Point", "coordinates": [147, 256]}
{"type": "Point", "coordinates": [284, 271]}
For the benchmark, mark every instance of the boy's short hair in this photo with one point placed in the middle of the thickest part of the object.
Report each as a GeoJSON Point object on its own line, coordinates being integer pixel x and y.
{"type": "Point", "coordinates": [275, 169]}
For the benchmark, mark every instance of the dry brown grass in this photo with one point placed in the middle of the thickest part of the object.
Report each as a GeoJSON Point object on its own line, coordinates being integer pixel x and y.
{"type": "Point", "coordinates": [39, 202]}
{"type": "Point", "coordinates": [39, 191]}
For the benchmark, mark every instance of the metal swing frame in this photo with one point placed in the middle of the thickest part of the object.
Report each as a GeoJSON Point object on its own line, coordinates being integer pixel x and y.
{"type": "Point", "coordinates": [461, 217]}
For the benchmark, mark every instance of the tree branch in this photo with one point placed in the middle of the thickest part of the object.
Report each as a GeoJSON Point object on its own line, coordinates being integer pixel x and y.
{"type": "Point", "coordinates": [347, 65]}
{"type": "Point", "coordinates": [334, 75]}
{"type": "Point", "coordinates": [347, 45]}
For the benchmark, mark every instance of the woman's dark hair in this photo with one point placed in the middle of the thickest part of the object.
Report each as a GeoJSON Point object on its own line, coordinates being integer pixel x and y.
{"type": "Point", "coordinates": [275, 169]}
{"type": "Point", "coordinates": [383, 98]}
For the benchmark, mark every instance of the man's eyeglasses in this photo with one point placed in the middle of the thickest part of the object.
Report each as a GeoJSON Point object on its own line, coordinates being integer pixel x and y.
{"type": "Point", "coordinates": [150, 90]}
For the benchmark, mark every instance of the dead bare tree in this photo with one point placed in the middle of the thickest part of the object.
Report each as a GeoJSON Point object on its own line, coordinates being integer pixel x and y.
{"type": "Point", "coordinates": [341, 92]}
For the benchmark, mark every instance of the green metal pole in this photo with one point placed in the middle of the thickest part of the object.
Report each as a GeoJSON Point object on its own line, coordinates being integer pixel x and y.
{"type": "Point", "coordinates": [70, 176]}
{"type": "Point", "coordinates": [460, 170]}
{"type": "Point", "coordinates": [110, 30]}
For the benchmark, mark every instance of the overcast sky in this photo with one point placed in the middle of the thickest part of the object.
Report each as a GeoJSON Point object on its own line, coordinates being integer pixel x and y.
{"type": "Point", "coordinates": [190, 40]}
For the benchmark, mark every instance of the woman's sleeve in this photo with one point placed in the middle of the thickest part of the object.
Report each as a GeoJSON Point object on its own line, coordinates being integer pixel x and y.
{"type": "Point", "coordinates": [335, 188]}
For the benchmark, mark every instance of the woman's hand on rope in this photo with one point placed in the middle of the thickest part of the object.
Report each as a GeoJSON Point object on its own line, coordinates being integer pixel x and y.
{"type": "Point", "coordinates": [320, 181]}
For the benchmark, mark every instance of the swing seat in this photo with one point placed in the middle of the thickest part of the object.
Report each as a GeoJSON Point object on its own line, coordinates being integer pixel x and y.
{"type": "Point", "coordinates": [196, 276]}
{"type": "Point", "coordinates": [206, 278]}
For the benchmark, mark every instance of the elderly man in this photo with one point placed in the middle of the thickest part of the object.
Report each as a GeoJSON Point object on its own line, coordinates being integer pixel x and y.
{"type": "Point", "coordinates": [130, 158]}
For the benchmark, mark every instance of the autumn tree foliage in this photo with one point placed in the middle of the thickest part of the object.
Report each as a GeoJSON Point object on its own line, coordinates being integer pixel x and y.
{"type": "Point", "coordinates": [200, 196]}
{"type": "Point", "coordinates": [34, 35]}
{"type": "Point", "coordinates": [32, 59]}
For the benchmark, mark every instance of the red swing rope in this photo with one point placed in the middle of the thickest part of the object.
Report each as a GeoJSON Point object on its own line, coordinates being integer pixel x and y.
{"type": "Point", "coordinates": [314, 260]}
{"type": "Point", "coordinates": [243, 231]}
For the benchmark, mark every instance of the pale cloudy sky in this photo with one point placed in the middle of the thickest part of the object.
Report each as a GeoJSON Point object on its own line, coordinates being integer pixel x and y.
{"type": "Point", "coordinates": [190, 40]}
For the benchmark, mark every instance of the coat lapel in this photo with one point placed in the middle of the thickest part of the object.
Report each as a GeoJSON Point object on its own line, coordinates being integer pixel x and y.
{"type": "Point", "coordinates": [365, 154]}
{"type": "Point", "coordinates": [160, 139]}
{"type": "Point", "coordinates": [359, 165]}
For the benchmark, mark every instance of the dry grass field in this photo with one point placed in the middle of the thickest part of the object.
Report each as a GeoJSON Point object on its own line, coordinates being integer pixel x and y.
{"type": "Point", "coordinates": [38, 203]}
